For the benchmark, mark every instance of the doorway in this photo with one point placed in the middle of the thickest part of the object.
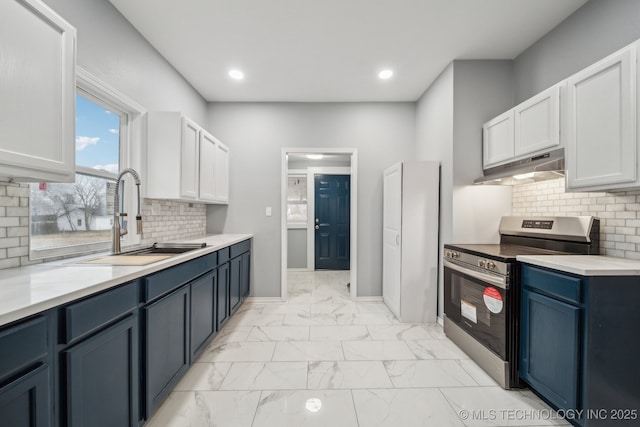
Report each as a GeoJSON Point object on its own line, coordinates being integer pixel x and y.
{"type": "Point", "coordinates": [336, 246]}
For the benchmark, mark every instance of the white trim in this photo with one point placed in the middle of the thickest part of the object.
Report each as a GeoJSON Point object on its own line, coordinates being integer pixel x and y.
{"type": "Point", "coordinates": [297, 270]}
{"type": "Point", "coordinates": [264, 299]}
{"type": "Point", "coordinates": [354, 213]}
{"type": "Point", "coordinates": [131, 153]}
{"type": "Point", "coordinates": [369, 299]}
{"type": "Point", "coordinates": [440, 321]}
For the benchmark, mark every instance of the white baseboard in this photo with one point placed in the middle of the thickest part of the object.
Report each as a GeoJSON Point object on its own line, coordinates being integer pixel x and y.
{"type": "Point", "coordinates": [298, 270]}
{"type": "Point", "coordinates": [369, 299]}
{"type": "Point", "coordinates": [440, 321]}
{"type": "Point", "coordinates": [264, 299]}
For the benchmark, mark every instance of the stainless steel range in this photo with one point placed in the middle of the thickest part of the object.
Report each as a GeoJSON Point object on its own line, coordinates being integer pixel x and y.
{"type": "Point", "coordinates": [482, 286]}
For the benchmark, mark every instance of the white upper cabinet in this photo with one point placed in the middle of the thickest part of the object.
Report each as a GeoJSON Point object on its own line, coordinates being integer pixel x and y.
{"type": "Point", "coordinates": [189, 164]}
{"type": "Point", "coordinates": [207, 167]}
{"type": "Point", "coordinates": [222, 173]}
{"type": "Point", "coordinates": [600, 127]}
{"type": "Point", "coordinates": [537, 123]}
{"type": "Point", "coordinates": [37, 93]}
{"type": "Point", "coordinates": [498, 140]}
{"type": "Point", "coordinates": [529, 128]}
{"type": "Point", "coordinates": [182, 160]}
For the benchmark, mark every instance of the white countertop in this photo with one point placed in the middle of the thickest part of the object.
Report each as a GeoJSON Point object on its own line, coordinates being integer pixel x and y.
{"type": "Point", "coordinates": [585, 265]}
{"type": "Point", "coordinates": [29, 290]}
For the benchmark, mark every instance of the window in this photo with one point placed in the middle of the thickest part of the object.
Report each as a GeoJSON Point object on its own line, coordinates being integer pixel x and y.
{"type": "Point", "coordinates": [76, 218]}
{"type": "Point", "coordinates": [297, 199]}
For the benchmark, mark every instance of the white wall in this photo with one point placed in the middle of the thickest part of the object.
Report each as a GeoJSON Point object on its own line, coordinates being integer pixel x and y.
{"type": "Point", "coordinates": [255, 132]}
{"type": "Point", "coordinates": [598, 28]}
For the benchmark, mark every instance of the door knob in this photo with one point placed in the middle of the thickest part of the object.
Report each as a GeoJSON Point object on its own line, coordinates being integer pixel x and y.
{"type": "Point", "coordinates": [317, 227]}
{"type": "Point", "coordinates": [317, 220]}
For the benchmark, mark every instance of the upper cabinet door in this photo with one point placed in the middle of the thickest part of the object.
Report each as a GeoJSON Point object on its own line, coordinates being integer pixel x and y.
{"type": "Point", "coordinates": [600, 128]}
{"type": "Point", "coordinates": [222, 173]}
{"type": "Point", "coordinates": [189, 159]}
{"type": "Point", "coordinates": [207, 167]}
{"type": "Point", "coordinates": [498, 140]}
{"type": "Point", "coordinates": [37, 93]}
{"type": "Point", "coordinates": [537, 122]}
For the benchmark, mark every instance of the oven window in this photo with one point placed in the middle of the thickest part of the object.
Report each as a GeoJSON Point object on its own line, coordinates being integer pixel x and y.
{"type": "Point", "coordinates": [479, 308]}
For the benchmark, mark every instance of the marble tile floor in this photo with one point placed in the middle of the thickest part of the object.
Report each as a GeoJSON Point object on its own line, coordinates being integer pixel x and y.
{"type": "Point", "coordinates": [321, 359]}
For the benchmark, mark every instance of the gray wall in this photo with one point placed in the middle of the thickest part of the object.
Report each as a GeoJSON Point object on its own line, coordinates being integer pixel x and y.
{"type": "Point", "coordinates": [383, 133]}
{"type": "Point", "coordinates": [594, 31]}
{"type": "Point", "coordinates": [297, 248]}
{"type": "Point", "coordinates": [112, 50]}
{"type": "Point", "coordinates": [449, 118]}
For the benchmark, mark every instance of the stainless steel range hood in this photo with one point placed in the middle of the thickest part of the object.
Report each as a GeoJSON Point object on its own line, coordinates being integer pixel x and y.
{"type": "Point", "coordinates": [537, 168]}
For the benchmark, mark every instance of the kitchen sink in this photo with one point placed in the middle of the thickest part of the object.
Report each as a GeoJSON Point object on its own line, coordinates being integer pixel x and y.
{"type": "Point", "coordinates": [144, 256]}
{"type": "Point", "coordinates": [166, 249]}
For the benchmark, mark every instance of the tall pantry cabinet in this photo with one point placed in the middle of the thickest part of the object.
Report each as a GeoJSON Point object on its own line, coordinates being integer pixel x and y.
{"type": "Point", "coordinates": [410, 240]}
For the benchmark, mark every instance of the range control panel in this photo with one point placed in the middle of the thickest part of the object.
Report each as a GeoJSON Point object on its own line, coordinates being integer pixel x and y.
{"type": "Point", "coordinates": [537, 224]}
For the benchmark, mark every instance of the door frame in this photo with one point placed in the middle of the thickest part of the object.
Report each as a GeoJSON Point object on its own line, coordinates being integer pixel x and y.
{"type": "Point", "coordinates": [353, 256]}
{"type": "Point", "coordinates": [311, 209]}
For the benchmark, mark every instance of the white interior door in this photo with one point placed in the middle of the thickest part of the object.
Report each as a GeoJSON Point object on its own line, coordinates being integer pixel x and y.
{"type": "Point", "coordinates": [391, 237]}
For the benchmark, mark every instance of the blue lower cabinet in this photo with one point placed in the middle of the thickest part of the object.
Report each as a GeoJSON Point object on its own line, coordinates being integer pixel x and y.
{"type": "Point", "coordinates": [166, 346]}
{"type": "Point", "coordinates": [245, 278]}
{"type": "Point", "coordinates": [102, 381]}
{"type": "Point", "coordinates": [550, 344]}
{"type": "Point", "coordinates": [203, 314]}
{"type": "Point", "coordinates": [223, 295]}
{"type": "Point", "coordinates": [25, 402]}
{"type": "Point", "coordinates": [235, 297]}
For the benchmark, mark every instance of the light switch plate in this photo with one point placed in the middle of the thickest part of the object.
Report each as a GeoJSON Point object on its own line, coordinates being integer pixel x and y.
{"type": "Point", "coordinates": [268, 211]}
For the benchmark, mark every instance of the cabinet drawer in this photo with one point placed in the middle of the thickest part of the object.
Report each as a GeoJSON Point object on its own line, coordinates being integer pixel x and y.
{"type": "Point", "coordinates": [240, 248]}
{"type": "Point", "coordinates": [223, 255]}
{"type": "Point", "coordinates": [172, 278]}
{"type": "Point", "coordinates": [559, 285]}
{"type": "Point", "coordinates": [86, 316]}
{"type": "Point", "coordinates": [22, 345]}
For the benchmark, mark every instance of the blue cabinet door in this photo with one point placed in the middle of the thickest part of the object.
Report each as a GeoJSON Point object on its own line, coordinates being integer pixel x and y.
{"type": "Point", "coordinates": [223, 294]}
{"type": "Point", "coordinates": [102, 382]}
{"type": "Point", "coordinates": [235, 297]}
{"type": "Point", "coordinates": [203, 319]}
{"type": "Point", "coordinates": [166, 346]}
{"type": "Point", "coordinates": [25, 402]}
{"type": "Point", "coordinates": [550, 343]}
{"type": "Point", "coordinates": [245, 278]}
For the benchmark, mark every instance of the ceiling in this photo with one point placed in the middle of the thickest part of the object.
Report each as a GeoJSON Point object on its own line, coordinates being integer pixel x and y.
{"type": "Point", "coordinates": [333, 50]}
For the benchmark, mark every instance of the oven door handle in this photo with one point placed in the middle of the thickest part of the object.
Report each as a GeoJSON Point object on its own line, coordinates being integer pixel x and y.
{"type": "Point", "coordinates": [498, 281]}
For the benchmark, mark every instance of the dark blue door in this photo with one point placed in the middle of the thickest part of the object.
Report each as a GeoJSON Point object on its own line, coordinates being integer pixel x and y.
{"type": "Point", "coordinates": [332, 212]}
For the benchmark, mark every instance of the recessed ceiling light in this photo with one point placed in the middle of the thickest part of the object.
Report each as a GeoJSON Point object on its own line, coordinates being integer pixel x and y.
{"type": "Point", "coordinates": [236, 74]}
{"type": "Point", "coordinates": [385, 74]}
{"type": "Point", "coordinates": [314, 156]}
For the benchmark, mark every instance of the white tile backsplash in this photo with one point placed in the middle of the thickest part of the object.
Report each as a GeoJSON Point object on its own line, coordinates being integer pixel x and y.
{"type": "Point", "coordinates": [619, 213]}
{"type": "Point", "coordinates": [162, 220]}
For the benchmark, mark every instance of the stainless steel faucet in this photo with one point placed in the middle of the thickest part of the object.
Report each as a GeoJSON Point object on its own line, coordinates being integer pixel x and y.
{"type": "Point", "coordinates": [117, 232]}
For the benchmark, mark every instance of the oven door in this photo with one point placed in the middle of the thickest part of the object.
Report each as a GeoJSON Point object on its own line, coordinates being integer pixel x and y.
{"type": "Point", "coordinates": [478, 302]}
